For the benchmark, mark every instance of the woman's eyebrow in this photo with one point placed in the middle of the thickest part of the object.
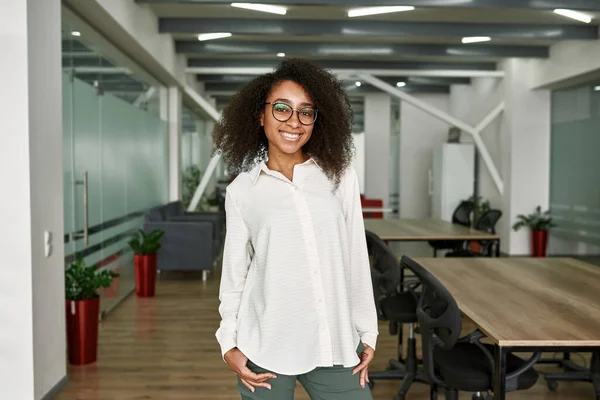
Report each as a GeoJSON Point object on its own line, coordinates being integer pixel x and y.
{"type": "Point", "coordinates": [281, 100]}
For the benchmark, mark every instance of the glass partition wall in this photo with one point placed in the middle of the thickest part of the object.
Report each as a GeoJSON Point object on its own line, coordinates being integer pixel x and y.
{"type": "Point", "coordinates": [115, 158]}
{"type": "Point", "coordinates": [575, 170]}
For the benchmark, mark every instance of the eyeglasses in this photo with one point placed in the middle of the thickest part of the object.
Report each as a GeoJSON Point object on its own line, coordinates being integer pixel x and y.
{"type": "Point", "coordinates": [283, 112]}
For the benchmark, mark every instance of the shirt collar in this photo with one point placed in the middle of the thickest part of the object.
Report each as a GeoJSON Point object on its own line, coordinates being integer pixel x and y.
{"type": "Point", "coordinates": [262, 167]}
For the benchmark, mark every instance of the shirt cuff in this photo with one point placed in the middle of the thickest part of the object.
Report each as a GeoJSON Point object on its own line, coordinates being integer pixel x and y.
{"type": "Point", "coordinates": [370, 339]}
{"type": "Point", "coordinates": [227, 344]}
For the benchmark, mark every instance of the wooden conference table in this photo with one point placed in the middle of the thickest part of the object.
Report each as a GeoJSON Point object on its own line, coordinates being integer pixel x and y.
{"type": "Point", "coordinates": [525, 304]}
{"type": "Point", "coordinates": [417, 230]}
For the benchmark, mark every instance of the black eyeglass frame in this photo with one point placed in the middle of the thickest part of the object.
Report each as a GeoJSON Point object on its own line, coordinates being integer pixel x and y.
{"type": "Point", "coordinates": [292, 114]}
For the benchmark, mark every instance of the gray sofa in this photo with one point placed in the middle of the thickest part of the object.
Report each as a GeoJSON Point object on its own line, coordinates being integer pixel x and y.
{"type": "Point", "coordinates": [192, 241]}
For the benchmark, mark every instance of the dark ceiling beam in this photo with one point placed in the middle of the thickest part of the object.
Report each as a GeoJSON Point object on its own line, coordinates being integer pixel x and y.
{"type": "Point", "coordinates": [354, 28]}
{"type": "Point", "coordinates": [231, 47]}
{"type": "Point", "coordinates": [235, 87]}
{"type": "Point", "coordinates": [350, 64]}
{"type": "Point", "coordinates": [523, 4]}
{"type": "Point", "coordinates": [217, 79]}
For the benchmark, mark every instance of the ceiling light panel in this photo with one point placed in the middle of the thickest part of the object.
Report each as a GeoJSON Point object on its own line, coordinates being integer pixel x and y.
{"type": "Point", "coordinates": [211, 36]}
{"type": "Point", "coordinates": [579, 16]}
{"type": "Point", "coordinates": [268, 8]}
{"type": "Point", "coordinates": [476, 39]}
{"type": "Point", "coordinates": [361, 12]}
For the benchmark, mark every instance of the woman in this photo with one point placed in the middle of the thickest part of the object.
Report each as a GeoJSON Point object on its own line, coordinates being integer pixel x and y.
{"type": "Point", "coordinates": [296, 295]}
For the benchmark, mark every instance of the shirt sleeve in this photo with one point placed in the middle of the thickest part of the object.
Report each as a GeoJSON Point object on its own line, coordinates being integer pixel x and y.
{"type": "Point", "coordinates": [364, 314]}
{"type": "Point", "coordinates": [236, 260]}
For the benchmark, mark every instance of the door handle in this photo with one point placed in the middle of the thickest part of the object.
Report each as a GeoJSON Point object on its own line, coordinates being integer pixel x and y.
{"type": "Point", "coordinates": [84, 235]}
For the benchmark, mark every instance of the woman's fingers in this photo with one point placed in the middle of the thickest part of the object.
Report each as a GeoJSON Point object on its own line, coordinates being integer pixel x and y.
{"type": "Point", "coordinates": [249, 386]}
{"type": "Point", "coordinates": [363, 364]}
{"type": "Point", "coordinates": [251, 376]}
{"type": "Point", "coordinates": [364, 377]}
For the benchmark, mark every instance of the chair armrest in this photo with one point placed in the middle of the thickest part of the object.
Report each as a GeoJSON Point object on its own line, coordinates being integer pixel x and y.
{"type": "Point", "coordinates": [411, 285]}
{"type": "Point", "coordinates": [475, 338]}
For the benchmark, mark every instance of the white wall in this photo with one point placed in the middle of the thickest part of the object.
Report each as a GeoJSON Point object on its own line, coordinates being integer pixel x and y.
{"type": "Point", "coordinates": [32, 338]}
{"type": "Point", "coordinates": [571, 62]}
{"type": "Point", "coordinates": [420, 133]}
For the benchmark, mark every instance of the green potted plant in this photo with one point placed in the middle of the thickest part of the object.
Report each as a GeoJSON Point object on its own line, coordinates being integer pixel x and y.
{"type": "Point", "coordinates": [213, 202]}
{"type": "Point", "coordinates": [82, 285]}
{"type": "Point", "coordinates": [145, 246]}
{"type": "Point", "coordinates": [481, 206]}
{"type": "Point", "coordinates": [540, 223]}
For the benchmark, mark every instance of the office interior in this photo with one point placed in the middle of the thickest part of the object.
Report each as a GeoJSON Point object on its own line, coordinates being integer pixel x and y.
{"type": "Point", "coordinates": [108, 108]}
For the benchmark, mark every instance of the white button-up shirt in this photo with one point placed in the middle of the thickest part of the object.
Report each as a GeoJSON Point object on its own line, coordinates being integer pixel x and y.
{"type": "Point", "coordinates": [296, 290]}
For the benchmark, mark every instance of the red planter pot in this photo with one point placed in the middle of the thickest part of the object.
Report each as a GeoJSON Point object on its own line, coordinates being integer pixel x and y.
{"type": "Point", "coordinates": [539, 243]}
{"type": "Point", "coordinates": [82, 330]}
{"type": "Point", "coordinates": [145, 274]}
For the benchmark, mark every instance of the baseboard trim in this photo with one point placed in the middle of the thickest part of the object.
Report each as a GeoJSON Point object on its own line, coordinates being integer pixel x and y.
{"type": "Point", "coordinates": [56, 389]}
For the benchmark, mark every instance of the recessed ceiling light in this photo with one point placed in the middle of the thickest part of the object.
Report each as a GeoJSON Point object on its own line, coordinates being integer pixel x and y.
{"type": "Point", "coordinates": [261, 7]}
{"type": "Point", "coordinates": [361, 12]}
{"type": "Point", "coordinates": [280, 54]}
{"type": "Point", "coordinates": [476, 39]}
{"type": "Point", "coordinates": [357, 83]}
{"type": "Point", "coordinates": [76, 33]}
{"type": "Point", "coordinates": [597, 88]}
{"type": "Point", "coordinates": [211, 36]}
{"type": "Point", "coordinates": [579, 16]}
{"type": "Point", "coordinates": [400, 84]}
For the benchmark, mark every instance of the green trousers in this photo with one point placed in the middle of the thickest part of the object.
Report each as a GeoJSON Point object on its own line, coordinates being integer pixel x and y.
{"type": "Point", "coordinates": [324, 383]}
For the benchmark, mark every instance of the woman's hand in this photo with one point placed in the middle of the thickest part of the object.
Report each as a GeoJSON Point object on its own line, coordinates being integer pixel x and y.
{"type": "Point", "coordinates": [365, 359]}
{"type": "Point", "coordinates": [237, 362]}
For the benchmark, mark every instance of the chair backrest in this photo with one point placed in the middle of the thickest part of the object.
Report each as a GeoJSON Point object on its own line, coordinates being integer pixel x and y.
{"type": "Point", "coordinates": [462, 213]}
{"type": "Point", "coordinates": [385, 270]}
{"type": "Point", "coordinates": [437, 313]}
{"type": "Point", "coordinates": [487, 221]}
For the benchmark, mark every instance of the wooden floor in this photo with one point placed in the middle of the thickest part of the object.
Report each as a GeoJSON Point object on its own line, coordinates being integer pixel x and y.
{"type": "Point", "coordinates": [165, 349]}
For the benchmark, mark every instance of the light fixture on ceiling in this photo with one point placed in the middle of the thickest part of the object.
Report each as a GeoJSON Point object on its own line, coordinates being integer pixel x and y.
{"type": "Point", "coordinates": [268, 8]}
{"type": "Point", "coordinates": [400, 84]}
{"type": "Point", "coordinates": [280, 54]}
{"type": "Point", "coordinates": [76, 33]}
{"type": "Point", "coordinates": [361, 12]}
{"type": "Point", "coordinates": [579, 16]}
{"type": "Point", "coordinates": [597, 88]}
{"type": "Point", "coordinates": [357, 83]}
{"type": "Point", "coordinates": [210, 36]}
{"type": "Point", "coordinates": [476, 39]}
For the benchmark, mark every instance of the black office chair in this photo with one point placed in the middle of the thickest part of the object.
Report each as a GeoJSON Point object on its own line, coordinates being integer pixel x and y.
{"type": "Point", "coordinates": [459, 364]}
{"type": "Point", "coordinates": [461, 216]}
{"type": "Point", "coordinates": [485, 223]}
{"type": "Point", "coordinates": [578, 375]}
{"type": "Point", "coordinates": [397, 306]}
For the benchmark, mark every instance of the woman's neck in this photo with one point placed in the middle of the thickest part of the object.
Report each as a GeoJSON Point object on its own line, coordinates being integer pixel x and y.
{"type": "Point", "coordinates": [284, 163]}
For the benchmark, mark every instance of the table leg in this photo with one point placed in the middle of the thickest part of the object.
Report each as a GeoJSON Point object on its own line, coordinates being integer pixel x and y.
{"type": "Point", "coordinates": [498, 248]}
{"type": "Point", "coordinates": [500, 372]}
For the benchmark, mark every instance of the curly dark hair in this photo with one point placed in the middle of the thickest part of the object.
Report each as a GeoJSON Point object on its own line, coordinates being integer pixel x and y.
{"type": "Point", "coordinates": [241, 139]}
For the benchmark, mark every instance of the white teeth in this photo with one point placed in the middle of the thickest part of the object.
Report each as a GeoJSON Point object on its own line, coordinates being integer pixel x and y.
{"type": "Point", "coordinates": [291, 136]}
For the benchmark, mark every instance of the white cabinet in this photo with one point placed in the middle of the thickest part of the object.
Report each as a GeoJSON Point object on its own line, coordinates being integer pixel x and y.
{"type": "Point", "coordinates": [452, 178]}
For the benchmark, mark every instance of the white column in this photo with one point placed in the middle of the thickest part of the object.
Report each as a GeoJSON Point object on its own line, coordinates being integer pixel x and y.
{"type": "Point", "coordinates": [174, 113]}
{"type": "Point", "coordinates": [32, 336]}
{"type": "Point", "coordinates": [378, 109]}
{"type": "Point", "coordinates": [526, 138]}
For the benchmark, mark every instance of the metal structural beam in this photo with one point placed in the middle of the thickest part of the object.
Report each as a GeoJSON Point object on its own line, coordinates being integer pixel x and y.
{"type": "Point", "coordinates": [220, 88]}
{"type": "Point", "coordinates": [241, 79]}
{"type": "Point", "coordinates": [485, 155]}
{"type": "Point", "coordinates": [230, 47]}
{"type": "Point", "coordinates": [362, 28]}
{"type": "Point", "coordinates": [269, 65]}
{"type": "Point", "coordinates": [522, 4]}
{"type": "Point", "coordinates": [342, 73]}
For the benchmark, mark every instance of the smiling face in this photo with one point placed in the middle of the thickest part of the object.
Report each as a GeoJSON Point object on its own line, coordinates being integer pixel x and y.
{"type": "Point", "coordinates": [286, 138]}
